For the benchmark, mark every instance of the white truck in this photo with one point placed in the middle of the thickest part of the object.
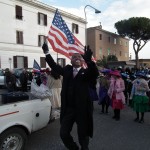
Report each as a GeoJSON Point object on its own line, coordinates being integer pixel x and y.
{"type": "Point", "coordinates": [19, 119]}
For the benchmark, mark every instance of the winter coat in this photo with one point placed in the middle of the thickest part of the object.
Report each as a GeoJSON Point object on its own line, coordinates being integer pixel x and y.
{"type": "Point", "coordinates": [117, 86]}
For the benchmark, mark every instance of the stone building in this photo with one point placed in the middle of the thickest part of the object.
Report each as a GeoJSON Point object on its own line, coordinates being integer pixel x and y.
{"type": "Point", "coordinates": [105, 43]}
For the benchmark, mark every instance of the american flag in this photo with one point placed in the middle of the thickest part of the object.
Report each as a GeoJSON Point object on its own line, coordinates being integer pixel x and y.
{"type": "Point", "coordinates": [61, 38]}
{"type": "Point", "coordinates": [36, 67]}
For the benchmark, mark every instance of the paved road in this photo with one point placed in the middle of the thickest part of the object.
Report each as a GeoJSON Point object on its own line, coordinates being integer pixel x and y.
{"type": "Point", "coordinates": [108, 133]}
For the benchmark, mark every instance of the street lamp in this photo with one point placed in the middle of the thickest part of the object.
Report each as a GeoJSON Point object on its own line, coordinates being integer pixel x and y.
{"type": "Point", "coordinates": [96, 12]}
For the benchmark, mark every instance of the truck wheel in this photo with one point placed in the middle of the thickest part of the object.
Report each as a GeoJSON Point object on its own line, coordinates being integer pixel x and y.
{"type": "Point", "coordinates": [13, 139]}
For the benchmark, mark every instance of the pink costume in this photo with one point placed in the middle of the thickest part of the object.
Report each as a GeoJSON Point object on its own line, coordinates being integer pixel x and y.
{"type": "Point", "coordinates": [116, 94]}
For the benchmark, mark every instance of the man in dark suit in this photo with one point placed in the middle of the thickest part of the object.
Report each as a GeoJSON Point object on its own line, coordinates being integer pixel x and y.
{"type": "Point", "coordinates": [24, 80]}
{"type": "Point", "coordinates": [76, 105]}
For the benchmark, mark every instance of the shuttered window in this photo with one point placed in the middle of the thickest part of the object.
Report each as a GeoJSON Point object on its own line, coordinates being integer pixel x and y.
{"type": "Point", "coordinates": [19, 12]}
{"type": "Point", "coordinates": [109, 39]}
{"type": "Point", "coordinates": [45, 20]}
{"type": "Point", "coordinates": [15, 61]}
{"type": "Point", "coordinates": [75, 28]}
{"type": "Point", "coordinates": [100, 36]}
{"type": "Point", "coordinates": [25, 62]}
{"type": "Point", "coordinates": [19, 37]}
{"type": "Point", "coordinates": [20, 61]}
{"type": "Point", "coordinates": [41, 40]}
{"type": "Point", "coordinates": [38, 18]}
{"type": "Point", "coordinates": [42, 19]}
{"type": "Point", "coordinates": [61, 61]}
{"type": "Point", "coordinates": [42, 62]}
{"type": "Point", "coordinates": [120, 53]}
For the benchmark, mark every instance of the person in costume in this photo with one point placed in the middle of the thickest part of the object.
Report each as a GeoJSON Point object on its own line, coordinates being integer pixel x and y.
{"type": "Point", "coordinates": [116, 93]}
{"type": "Point", "coordinates": [139, 98]}
{"type": "Point", "coordinates": [104, 82]}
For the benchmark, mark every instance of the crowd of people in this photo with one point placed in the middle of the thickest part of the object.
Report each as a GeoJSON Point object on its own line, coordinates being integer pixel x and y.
{"type": "Point", "coordinates": [81, 86]}
{"type": "Point", "coordinates": [15, 82]}
{"type": "Point", "coordinates": [119, 87]}
{"type": "Point", "coordinates": [46, 77]}
{"type": "Point", "coordinates": [73, 89]}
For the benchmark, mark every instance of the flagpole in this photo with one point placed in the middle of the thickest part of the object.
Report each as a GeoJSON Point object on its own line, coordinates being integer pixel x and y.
{"type": "Point", "coordinates": [57, 58]}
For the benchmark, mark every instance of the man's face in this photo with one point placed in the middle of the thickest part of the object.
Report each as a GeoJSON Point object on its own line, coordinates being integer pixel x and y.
{"type": "Point", "coordinates": [76, 60]}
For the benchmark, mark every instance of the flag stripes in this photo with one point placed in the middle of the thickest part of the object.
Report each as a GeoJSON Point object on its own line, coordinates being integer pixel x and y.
{"type": "Point", "coordinates": [61, 38]}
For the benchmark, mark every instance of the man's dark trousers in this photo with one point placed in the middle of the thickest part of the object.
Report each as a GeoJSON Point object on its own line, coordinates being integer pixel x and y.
{"type": "Point", "coordinates": [66, 126]}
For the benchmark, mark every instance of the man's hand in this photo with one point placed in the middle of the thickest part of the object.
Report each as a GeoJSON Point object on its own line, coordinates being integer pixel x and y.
{"type": "Point", "coordinates": [87, 54]}
{"type": "Point", "coordinates": [45, 48]}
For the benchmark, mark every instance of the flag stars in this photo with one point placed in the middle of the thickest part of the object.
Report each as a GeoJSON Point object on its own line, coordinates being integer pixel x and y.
{"type": "Point", "coordinates": [60, 23]}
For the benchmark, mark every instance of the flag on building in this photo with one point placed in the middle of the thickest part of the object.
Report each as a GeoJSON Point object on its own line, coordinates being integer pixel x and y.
{"type": "Point", "coordinates": [61, 38]}
{"type": "Point", "coordinates": [36, 67]}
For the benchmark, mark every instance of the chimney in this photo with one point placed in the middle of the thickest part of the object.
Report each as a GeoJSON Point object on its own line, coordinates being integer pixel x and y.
{"type": "Point", "coordinates": [100, 26]}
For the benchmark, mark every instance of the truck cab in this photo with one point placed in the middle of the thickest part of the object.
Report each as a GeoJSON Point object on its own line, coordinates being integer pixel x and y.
{"type": "Point", "coordinates": [19, 119]}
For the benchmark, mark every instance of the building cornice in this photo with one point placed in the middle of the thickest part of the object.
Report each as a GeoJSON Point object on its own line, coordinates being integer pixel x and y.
{"type": "Point", "coordinates": [52, 9]}
{"type": "Point", "coordinates": [7, 47]}
{"type": "Point", "coordinates": [100, 29]}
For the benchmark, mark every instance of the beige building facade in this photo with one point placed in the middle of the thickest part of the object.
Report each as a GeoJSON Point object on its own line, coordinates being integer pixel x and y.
{"type": "Point", "coordinates": [104, 43]}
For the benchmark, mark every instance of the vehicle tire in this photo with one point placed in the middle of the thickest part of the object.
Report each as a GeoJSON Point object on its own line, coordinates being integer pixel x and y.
{"type": "Point", "coordinates": [13, 139]}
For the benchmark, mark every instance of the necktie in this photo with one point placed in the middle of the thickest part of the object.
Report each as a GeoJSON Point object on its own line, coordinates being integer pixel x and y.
{"type": "Point", "coordinates": [75, 71]}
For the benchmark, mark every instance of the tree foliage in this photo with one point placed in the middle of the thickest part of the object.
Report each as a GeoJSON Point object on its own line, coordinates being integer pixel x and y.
{"type": "Point", "coordinates": [104, 61]}
{"type": "Point", "coordinates": [112, 58]}
{"type": "Point", "coordinates": [136, 28]}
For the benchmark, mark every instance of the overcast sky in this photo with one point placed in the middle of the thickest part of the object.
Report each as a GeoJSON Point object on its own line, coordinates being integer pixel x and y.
{"type": "Point", "coordinates": [111, 12]}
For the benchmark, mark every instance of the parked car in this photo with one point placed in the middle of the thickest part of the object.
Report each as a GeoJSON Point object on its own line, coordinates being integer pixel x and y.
{"type": "Point", "coordinates": [2, 78]}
